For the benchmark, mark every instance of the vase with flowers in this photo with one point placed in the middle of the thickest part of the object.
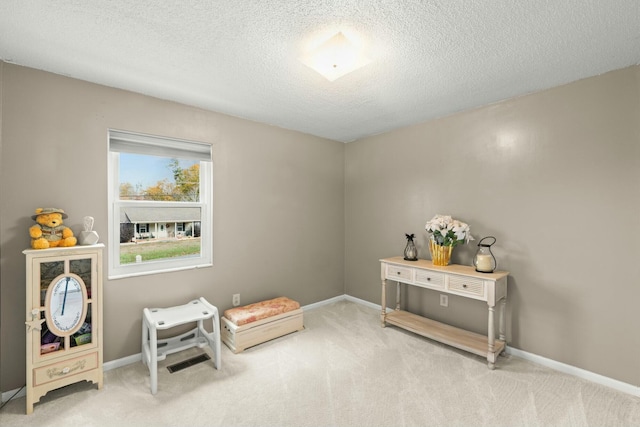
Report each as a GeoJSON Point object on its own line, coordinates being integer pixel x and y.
{"type": "Point", "coordinates": [445, 234]}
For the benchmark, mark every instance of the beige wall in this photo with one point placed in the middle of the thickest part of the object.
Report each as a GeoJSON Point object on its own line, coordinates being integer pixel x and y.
{"type": "Point", "coordinates": [278, 203]}
{"type": "Point", "coordinates": [555, 177]}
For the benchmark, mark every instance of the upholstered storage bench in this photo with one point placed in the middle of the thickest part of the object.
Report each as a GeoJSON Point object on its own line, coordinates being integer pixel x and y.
{"type": "Point", "coordinates": [253, 324]}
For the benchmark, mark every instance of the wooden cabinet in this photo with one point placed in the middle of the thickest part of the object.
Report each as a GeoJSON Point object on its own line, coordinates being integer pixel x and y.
{"type": "Point", "coordinates": [453, 279]}
{"type": "Point", "coordinates": [63, 318]}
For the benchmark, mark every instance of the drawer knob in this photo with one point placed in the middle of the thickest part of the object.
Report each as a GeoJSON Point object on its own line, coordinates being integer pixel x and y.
{"type": "Point", "coordinates": [398, 272]}
{"type": "Point", "coordinates": [428, 279]}
{"type": "Point", "coordinates": [464, 285]}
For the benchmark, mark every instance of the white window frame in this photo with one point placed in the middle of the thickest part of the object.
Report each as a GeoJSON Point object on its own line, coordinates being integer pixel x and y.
{"type": "Point", "coordinates": [124, 141]}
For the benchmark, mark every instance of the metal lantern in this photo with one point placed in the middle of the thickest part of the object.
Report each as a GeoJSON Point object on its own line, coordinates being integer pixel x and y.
{"type": "Point", "coordinates": [484, 261]}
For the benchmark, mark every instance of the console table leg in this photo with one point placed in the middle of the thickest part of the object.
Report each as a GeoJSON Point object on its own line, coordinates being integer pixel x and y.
{"type": "Point", "coordinates": [501, 320]}
{"type": "Point", "coordinates": [398, 296]}
{"type": "Point", "coordinates": [491, 338]}
{"type": "Point", "coordinates": [383, 302]}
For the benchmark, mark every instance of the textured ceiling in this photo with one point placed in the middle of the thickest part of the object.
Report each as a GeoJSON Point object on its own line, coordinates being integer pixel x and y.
{"type": "Point", "coordinates": [240, 57]}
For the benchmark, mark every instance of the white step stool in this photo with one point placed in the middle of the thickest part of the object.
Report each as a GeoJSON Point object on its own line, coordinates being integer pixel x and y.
{"type": "Point", "coordinates": [154, 319]}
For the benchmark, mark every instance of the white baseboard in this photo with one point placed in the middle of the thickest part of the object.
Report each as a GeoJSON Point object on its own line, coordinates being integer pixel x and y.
{"type": "Point", "coordinates": [124, 361]}
{"type": "Point", "coordinates": [324, 302]}
{"type": "Point", "coordinates": [13, 394]}
{"type": "Point", "coordinates": [576, 372]}
{"type": "Point", "coordinates": [362, 302]}
{"type": "Point", "coordinates": [549, 363]}
{"type": "Point", "coordinates": [344, 297]}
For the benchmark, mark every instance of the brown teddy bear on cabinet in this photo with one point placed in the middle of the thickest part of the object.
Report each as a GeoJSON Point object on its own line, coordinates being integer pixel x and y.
{"type": "Point", "coordinates": [49, 231]}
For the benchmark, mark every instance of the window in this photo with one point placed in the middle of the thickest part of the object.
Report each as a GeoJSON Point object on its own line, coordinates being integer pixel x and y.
{"type": "Point", "coordinates": [160, 195]}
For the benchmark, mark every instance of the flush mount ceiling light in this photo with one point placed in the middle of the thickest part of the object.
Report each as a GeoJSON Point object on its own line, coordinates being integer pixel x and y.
{"type": "Point", "coordinates": [336, 57]}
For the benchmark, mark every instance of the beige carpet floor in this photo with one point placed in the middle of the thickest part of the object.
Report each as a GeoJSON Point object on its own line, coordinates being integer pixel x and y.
{"type": "Point", "coordinates": [342, 370]}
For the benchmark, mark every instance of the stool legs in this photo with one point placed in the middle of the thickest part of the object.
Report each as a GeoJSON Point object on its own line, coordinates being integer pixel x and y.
{"type": "Point", "coordinates": [213, 338]}
{"type": "Point", "coordinates": [216, 338]}
{"type": "Point", "coordinates": [171, 345]}
{"type": "Point", "coordinates": [150, 348]}
{"type": "Point", "coordinates": [145, 341]}
{"type": "Point", "coordinates": [153, 365]}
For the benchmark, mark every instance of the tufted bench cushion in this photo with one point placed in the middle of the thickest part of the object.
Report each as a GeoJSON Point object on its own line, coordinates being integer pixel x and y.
{"type": "Point", "coordinates": [261, 310]}
{"type": "Point", "coordinates": [253, 324]}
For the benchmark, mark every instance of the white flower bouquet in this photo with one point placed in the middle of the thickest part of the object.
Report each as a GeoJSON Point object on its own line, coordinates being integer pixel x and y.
{"type": "Point", "coordinates": [446, 231]}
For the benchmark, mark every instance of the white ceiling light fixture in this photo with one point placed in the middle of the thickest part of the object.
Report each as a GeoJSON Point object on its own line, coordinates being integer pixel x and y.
{"type": "Point", "coordinates": [336, 57]}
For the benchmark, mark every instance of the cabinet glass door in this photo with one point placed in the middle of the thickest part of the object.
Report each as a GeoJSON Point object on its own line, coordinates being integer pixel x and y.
{"type": "Point", "coordinates": [47, 270]}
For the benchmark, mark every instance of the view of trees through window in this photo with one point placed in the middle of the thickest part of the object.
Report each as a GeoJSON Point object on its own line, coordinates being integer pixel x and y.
{"type": "Point", "coordinates": [179, 183]}
{"type": "Point", "coordinates": [153, 231]}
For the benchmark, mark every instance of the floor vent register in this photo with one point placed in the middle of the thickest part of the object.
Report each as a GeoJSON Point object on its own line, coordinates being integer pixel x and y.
{"type": "Point", "coordinates": [189, 362]}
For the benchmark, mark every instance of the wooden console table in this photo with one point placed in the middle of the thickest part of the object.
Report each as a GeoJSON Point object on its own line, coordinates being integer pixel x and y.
{"type": "Point", "coordinates": [453, 279]}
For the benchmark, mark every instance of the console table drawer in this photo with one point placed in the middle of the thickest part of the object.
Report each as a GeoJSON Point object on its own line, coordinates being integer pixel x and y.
{"type": "Point", "coordinates": [430, 278]}
{"type": "Point", "coordinates": [395, 272]}
{"type": "Point", "coordinates": [466, 285]}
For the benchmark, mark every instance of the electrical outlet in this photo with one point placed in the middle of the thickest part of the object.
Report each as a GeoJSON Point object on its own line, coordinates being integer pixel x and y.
{"type": "Point", "coordinates": [236, 300]}
{"type": "Point", "coordinates": [444, 300]}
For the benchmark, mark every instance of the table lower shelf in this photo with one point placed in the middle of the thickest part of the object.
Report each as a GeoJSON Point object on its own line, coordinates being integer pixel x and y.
{"type": "Point", "coordinates": [447, 334]}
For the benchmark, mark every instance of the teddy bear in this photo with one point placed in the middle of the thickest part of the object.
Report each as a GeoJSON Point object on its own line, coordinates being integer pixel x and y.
{"type": "Point", "coordinates": [49, 231]}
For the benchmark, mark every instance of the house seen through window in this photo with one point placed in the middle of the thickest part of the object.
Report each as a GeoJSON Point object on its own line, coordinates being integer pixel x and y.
{"type": "Point", "coordinates": [160, 204]}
